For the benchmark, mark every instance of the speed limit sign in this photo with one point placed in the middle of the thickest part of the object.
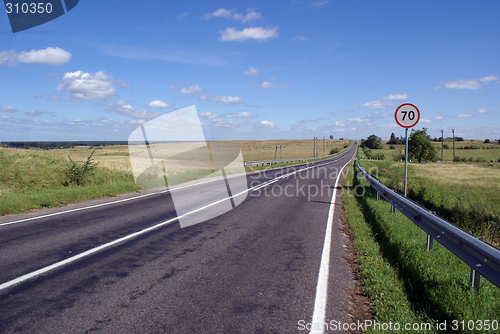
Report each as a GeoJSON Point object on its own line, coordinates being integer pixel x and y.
{"type": "Point", "coordinates": [407, 115]}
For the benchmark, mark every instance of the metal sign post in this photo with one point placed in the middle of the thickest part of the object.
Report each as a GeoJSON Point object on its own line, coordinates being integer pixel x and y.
{"type": "Point", "coordinates": [407, 116]}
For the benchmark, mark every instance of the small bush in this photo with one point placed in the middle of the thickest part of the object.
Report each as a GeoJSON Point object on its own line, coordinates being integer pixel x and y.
{"type": "Point", "coordinates": [464, 159]}
{"type": "Point", "coordinates": [77, 172]}
{"type": "Point", "coordinates": [498, 160]}
{"type": "Point", "coordinates": [334, 150]}
{"type": "Point", "coordinates": [486, 141]}
{"type": "Point", "coordinates": [446, 146]}
{"type": "Point", "coordinates": [392, 147]}
{"type": "Point", "coordinates": [471, 159]}
{"type": "Point", "coordinates": [481, 159]}
{"type": "Point", "coordinates": [457, 159]}
{"type": "Point", "coordinates": [380, 156]}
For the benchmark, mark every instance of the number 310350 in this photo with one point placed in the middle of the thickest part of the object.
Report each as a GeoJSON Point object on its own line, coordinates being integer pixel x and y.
{"type": "Point", "coordinates": [31, 8]}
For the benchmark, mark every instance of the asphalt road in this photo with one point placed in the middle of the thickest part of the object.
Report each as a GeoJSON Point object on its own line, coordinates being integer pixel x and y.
{"type": "Point", "coordinates": [253, 269]}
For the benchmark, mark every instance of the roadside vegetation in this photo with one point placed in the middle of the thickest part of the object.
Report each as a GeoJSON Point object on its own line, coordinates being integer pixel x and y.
{"type": "Point", "coordinates": [487, 151]}
{"type": "Point", "coordinates": [406, 283]}
{"type": "Point", "coordinates": [463, 192]}
{"type": "Point", "coordinates": [33, 179]}
{"type": "Point", "coordinates": [36, 176]}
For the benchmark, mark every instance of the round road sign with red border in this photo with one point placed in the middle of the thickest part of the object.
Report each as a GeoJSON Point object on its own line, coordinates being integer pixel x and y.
{"type": "Point", "coordinates": [407, 115]}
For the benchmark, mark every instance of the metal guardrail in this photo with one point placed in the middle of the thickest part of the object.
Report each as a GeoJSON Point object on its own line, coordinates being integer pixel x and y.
{"type": "Point", "coordinates": [482, 257]}
{"type": "Point", "coordinates": [269, 162]}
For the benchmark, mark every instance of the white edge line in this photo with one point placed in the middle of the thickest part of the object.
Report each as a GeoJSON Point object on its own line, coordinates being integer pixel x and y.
{"type": "Point", "coordinates": [127, 199]}
{"type": "Point", "coordinates": [130, 236]}
{"type": "Point", "coordinates": [318, 318]}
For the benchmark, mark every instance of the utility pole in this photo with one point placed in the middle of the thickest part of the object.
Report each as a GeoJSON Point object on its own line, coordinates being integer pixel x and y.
{"type": "Point", "coordinates": [453, 132]}
{"type": "Point", "coordinates": [323, 145]}
{"type": "Point", "coordinates": [314, 147]}
{"type": "Point", "coordinates": [442, 145]}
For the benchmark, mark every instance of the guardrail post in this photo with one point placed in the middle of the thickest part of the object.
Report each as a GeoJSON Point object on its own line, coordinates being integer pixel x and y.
{"type": "Point", "coordinates": [393, 209]}
{"type": "Point", "coordinates": [430, 243]}
{"type": "Point", "coordinates": [378, 196]}
{"type": "Point", "coordinates": [475, 277]}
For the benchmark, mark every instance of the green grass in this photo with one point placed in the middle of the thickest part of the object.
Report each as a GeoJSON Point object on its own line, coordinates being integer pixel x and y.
{"type": "Point", "coordinates": [489, 151]}
{"type": "Point", "coordinates": [31, 179]}
{"type": "Point", "coordinates": [406, 283]}
{"type": "Point", "coordinates": [464, 194]}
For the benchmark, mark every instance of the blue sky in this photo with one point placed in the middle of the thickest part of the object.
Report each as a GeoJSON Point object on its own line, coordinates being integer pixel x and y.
{"type": "Point", "coordinates": [253, 69]}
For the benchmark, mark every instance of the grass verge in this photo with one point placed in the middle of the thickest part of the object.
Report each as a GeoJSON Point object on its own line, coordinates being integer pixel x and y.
{"type": "Point", "coordinates": [464, 194]}
{"type": "Point", "coordinates": [30, 179]}
{"type": "Point", "coordinates": [406, 283]}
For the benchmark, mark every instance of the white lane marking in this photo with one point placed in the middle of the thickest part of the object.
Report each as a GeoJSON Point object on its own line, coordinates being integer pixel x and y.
{"type": "Point", "coordinates": [109, 244]}
{"type": "Point", "coordinates": [128, 199]}
{"type": "Point", "coordinates": [99, 248]}
{"type": "Point", "coordinates": [318, 318]}
{"type": "Point", "coordinates": [104, 204]}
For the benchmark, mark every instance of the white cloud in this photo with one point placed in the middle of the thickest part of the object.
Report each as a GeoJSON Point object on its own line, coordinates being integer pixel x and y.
{"type": "Point", "coordinates": [193, 89]}
{"type": "Point", "coordinates": [122, 107]}
{"type": "Point", "coordinates": [10, 109]}
{"type": "Point", "coordinates": [84, 85]}
{"type": "Point", "coordinates": [299, 38]}
{"type": "Point", "coordinates": [242, 114]}
{"type": "Point", "coordinates": [464, 116]}
{"type": "Point", "coordinates": [175, 85]}
{"type": "Point", "coordinates": [474, 84]}
{"type": "Point", "coordinates": [482, 111]}
{"type": "Point", "coordinates": [211, 116]}
{"type": "Point", "coordinates": [221, 99]}
{"type": "Point", "coordinates": [438, 118]}
{"type": "Point", "coordinates": [258, 33]}
{"type": "Point", "coordinates": [222, 12]}
{"type": "Point", "coordinates": [396, 97]}
{"type": "Point", "coordinates": [49, 56]}
{"type": "Point", "coordinates": [35, 113]}
{"type": "Point", "coordinates": [463, 84]}
{"type": "Point", "coordinates": [359, 119]}
{"type": "Point", "coordinates": [267, 123]}
{"type": "Point", "coordinates": [267, 84]}
{"type": "Point", "coordinates": [54, 97]}
{"type": "Point", "coordinates": [158, 104]}
{"type": "Point", "coordinates": [182, 15]}
{"type": "Point", "coordinates": [344, 110]}
{"type": "Point", "coordinates": [489, 78]}
{"type": "Point", "coordinates": [377, 104]}
{"type": "Point", "coordinates": [425, 120]}
{"type": "Point", "coordinates": [319, 3]}
{"type": "Point", "coordinates": [251, 71]}
{"type": "Point", "coordinates": [39, 96]}
{"type": "Point", "coordinates": [207, 115]}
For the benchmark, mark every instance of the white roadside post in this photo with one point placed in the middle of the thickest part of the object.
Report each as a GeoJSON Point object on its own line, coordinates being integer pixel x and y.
{"type": "Point", "coordinates": [407, 116]}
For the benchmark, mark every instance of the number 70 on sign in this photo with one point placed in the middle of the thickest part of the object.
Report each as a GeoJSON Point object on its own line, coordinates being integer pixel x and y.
{"type": "Point", "coordinates": [407, 115]}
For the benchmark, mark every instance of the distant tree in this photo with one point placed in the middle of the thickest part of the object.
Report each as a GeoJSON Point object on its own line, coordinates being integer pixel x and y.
{"type": "Point", "coordinates": [393, 140]}
{"type": "Point", "coordinates": [373, 142]}
{"type": "Point", "coordinates": [459, 138]}
{"type": "Point", "coordinates": [486, 141]}
{"type": "Point", "coordinates": [420, 147]}
{"type": "Point", "coordinates": [331, 137]}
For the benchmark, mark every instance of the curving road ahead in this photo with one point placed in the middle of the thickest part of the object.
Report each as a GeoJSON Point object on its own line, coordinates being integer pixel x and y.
{"type": "Point", "coordinates": [126, 266]}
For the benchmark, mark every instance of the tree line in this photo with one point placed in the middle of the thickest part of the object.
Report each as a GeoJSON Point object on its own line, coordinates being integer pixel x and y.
{"type": "Point", "coordinates": [46, 145]}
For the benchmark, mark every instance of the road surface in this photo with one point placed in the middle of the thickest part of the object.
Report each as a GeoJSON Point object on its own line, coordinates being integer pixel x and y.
{"type": "Point", "coordinates": [254, 269]}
